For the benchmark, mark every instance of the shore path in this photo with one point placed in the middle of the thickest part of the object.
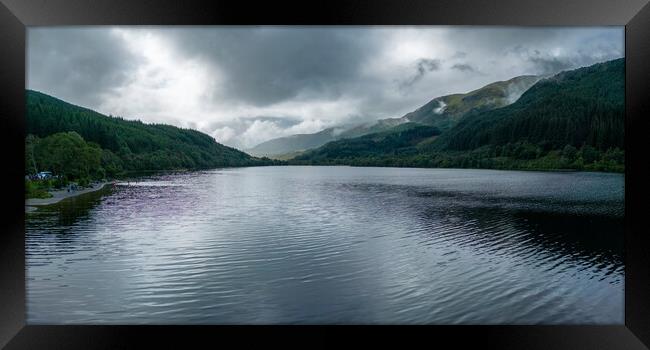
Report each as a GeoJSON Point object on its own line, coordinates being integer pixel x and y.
{"type": "Point", "coordinates": [57, 196]}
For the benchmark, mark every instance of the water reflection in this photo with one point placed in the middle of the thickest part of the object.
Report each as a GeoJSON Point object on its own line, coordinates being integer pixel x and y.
{"type": "Point", "coordinates": [333, 245]}
{"type": "Point", "coordinates": [66, 213]}
{"type": "Point", "coordinates": [589, 238]}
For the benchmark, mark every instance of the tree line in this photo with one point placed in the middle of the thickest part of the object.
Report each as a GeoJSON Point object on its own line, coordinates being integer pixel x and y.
{"type": "Point", "coordinates": [574, 120]}
{"type": "Point", "coordinates": [81, 145]}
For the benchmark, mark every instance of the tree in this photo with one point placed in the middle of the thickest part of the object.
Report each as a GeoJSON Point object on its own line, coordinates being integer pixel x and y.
{"type": "Point", "coordinates": [569, 152]}
{"type": "Point", "coordinates": [588, 154]}
{"type": "Point", "coordinates": [68, 155]}
{"type": "Point", "coordinates": [30, 162]}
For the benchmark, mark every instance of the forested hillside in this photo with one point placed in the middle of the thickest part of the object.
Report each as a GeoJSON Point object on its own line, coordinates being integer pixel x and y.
{"type": "Point", "coordinates": [400, 141]}
{"type": "Point", "coordinates": [573, 120]}
{"type": "Point", "coordinates": [583, 106]}
{"type": "Point", "coordinates": [79, 144]}
{"type": "Point", "coordinates": [442, 112]}
{"type": "Point", "coordinates": [446, 111]}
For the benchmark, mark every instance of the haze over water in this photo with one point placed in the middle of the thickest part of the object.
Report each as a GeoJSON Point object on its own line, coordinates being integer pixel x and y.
{"type": "Point", "coordinates": [350, 245]}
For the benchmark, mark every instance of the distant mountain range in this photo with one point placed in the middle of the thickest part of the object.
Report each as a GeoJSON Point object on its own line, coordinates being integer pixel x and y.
{"type": "Point", "coordinates": [295, 143]}
{"type": "Point", "coordinates": [572, 120]}
{"type": "Point", "coordinates": [442, 112]}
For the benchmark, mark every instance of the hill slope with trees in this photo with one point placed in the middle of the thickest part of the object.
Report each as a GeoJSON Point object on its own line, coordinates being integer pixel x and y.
{"type": "Point", "coordinates": [442, 112]}
{"type": "Point", "coordinates": [573, 120]}
{"type": "Point", "coordinates": [77, 143]}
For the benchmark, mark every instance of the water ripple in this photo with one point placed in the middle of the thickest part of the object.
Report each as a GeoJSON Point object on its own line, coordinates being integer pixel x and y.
{"type": "Point", "coordinates": [332, 245]}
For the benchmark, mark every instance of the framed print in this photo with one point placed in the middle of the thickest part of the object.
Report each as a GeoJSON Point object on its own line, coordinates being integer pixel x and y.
{"type": "Point", "coordinates": [463, 171]}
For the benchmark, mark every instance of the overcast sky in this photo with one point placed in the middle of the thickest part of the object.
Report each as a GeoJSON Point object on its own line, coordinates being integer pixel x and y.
{"type": "Point", "coordinates": [246, 85]}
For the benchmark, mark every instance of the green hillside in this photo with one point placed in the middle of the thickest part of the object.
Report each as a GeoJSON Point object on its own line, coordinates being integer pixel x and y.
{"type": "Point", "coordinates": [442, 112]}
{"type": "Point", "coordinates": [446, 111]}
{"type": "Point", "coordinates": [80, 143]}
{"type": "Point", "coordinates": [573, 120]}
{"type": "Point", "coordinates": [582, 106]}
{"type": "Point", "coordinates": [398, 142]}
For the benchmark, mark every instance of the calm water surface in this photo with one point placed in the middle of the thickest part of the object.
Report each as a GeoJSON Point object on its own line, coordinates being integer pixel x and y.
{"type": "Point", "coordinates": [333, 245]}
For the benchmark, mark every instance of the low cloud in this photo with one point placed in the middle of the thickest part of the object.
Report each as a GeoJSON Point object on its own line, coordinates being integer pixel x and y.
{"type": "Point", "coordinates": [422, 67]}
{"type": "Point", "coordinates": [463, 67]}
{"type": "Point", "coordinates": [441, 107]}
{"type": "Point", "coordinates": [244, 85]}
{"type": "Point", "coordinates": [557, 59]}
{"type": "Point", "coordinates": [245, 133]}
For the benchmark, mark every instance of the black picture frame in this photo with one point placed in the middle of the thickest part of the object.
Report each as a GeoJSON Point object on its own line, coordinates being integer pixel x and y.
{"type": "Point", "coordinates": [15, 15]}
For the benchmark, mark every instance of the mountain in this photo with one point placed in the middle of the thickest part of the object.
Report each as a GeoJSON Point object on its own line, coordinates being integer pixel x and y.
{"type": "Point", "coordinates": [398, 141]}
{"type": "Point", "coordinates": [442, 112]}
{"type": "Point", "coordinates": [581, 106]}
{"type": "Point", "coordinates": [294, 143]}
{"type": "Point", "coordinates": [131, 145]}
{"type": "Point", "coordinates": [572, 120]}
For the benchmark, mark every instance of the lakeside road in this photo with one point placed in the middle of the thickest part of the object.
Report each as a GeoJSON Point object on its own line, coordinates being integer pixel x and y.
{"type": "Point", "coordinates": [57, 196]}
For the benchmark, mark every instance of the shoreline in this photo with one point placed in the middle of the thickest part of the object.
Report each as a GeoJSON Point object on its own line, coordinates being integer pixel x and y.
{"type": "Point", "coordinates": [545, 170]}
{"type": "Point", "coordinates": [32, 204]}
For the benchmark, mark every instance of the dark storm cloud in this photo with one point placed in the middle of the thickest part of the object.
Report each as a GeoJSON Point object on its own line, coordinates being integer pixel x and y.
{"type": "Point", "coordinates": [463, 67]}
{"type": "Point", "coordinates": [79, 64]}
{"type": "Point", "coordinates": [422, 67]}
{"type": "Point", "coordinates": [478, 39]}
{"type": "Point", "coordinates": [245, 85]}
{"type": "Point", "coordinates": [427, 65]}
{"type": "Point", "coordinates": [263, 66]}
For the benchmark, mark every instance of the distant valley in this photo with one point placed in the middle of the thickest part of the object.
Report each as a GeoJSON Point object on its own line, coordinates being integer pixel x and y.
{"type": "Point", "coordinates": [441, 112]}
{"type": "Point", "coordinates": [573, 120]}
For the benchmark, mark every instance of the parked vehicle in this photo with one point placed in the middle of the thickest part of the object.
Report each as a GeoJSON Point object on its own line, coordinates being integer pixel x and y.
{"type": "Point", "coordinates": [44, 175]}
